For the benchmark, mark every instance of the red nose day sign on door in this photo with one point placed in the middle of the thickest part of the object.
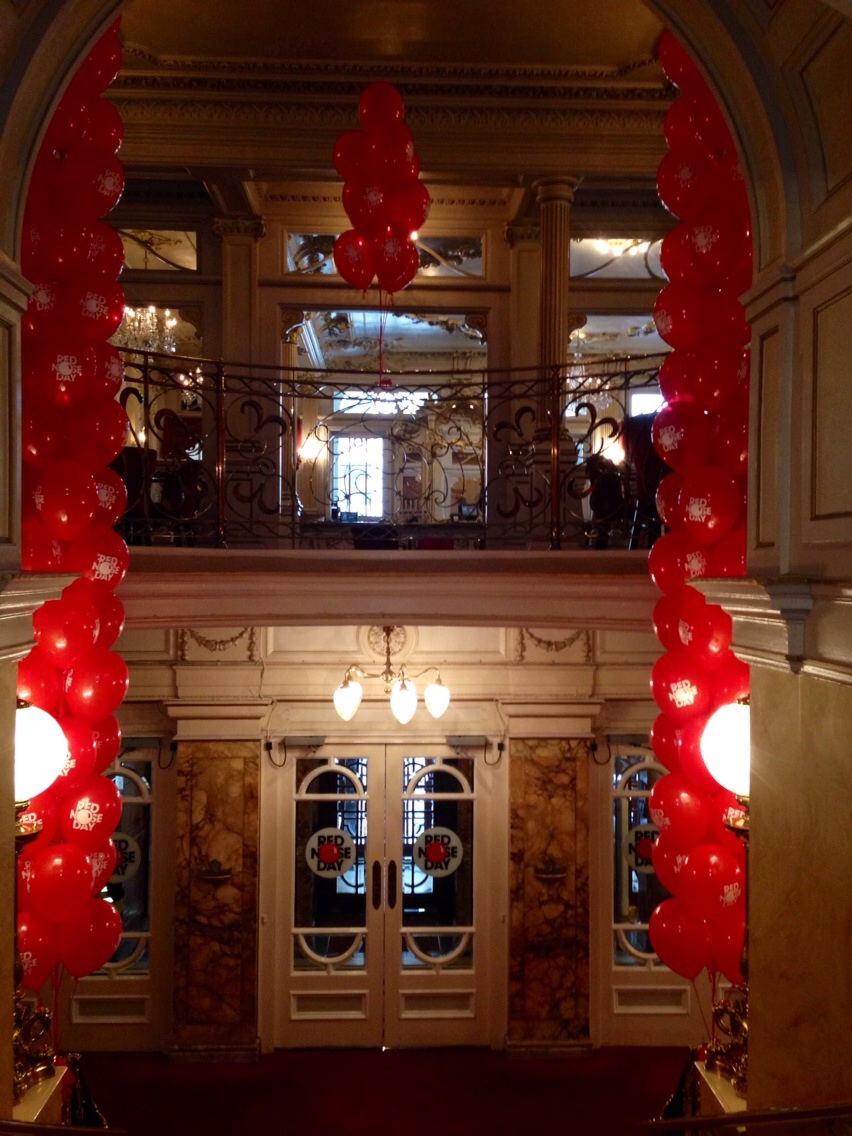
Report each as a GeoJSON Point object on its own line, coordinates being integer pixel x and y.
{"type": "Point", "coordinates": [437, 851]}
{"type": "Point", "coordinates": [330, 852]}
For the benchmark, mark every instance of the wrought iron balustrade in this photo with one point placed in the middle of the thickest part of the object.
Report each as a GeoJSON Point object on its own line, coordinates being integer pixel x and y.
{"type": "Point", "coordinates": [222, 455]}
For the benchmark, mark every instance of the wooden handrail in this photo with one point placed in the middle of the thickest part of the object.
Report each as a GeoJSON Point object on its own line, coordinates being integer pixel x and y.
{"type": "Point", "coordinates": [743, 1119]}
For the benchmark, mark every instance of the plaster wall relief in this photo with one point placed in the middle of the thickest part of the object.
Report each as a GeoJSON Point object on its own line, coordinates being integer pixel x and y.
{"type": "Point", "coordinates": [219, 645]}
{"type": "Point", "coordinates": [215, 989]}
{"type": "Point", "coordinates": [549, 891]}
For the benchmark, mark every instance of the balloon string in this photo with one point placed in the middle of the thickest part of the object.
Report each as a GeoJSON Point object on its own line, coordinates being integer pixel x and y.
{"type": "Point", "coordinates": [383, 316]}
{"type": "Point", "coordinates": [709, 1032]}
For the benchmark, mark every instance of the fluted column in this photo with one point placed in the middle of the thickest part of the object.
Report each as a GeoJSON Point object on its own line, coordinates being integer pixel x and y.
{"type": "Point", "coordinates": [554, 197]}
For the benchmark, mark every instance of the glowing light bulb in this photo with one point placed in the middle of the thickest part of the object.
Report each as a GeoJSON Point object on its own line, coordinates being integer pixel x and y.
{"type": "Point", "coordinates": [403, 700]}
{"type": "Point", "coordinates": [437, 698]}
{"type": "Point", "coordinates": [726, 747]}
{"type": "Point", "coordinates": [347, 698]}
{"type": "Point", "coordinates": [41, 750]}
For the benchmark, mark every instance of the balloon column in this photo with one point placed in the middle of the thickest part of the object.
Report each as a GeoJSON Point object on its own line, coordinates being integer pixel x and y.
{"type": "Point", "coordinates": [382, 196]}
{"type": "Point", "coordinates": [72, 428]}
{"type": "Point", "coordinates": [701, 434]}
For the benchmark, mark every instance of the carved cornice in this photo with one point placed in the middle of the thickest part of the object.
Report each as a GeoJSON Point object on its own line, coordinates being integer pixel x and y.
{"type": "Point", "coordinates": [518, 234]}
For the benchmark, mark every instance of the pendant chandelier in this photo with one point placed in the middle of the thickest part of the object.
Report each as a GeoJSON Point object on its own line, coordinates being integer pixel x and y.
{"type": "Point", "coordinates": [398, 685]}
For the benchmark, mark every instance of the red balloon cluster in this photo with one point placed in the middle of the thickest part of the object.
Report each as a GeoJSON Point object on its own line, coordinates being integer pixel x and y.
{"type": "Point", "coordinates": [73, 427]}
{"type": "Point", "coordinates": [382, 195]}
{"type": "Point", "coordinates": [701, 434]}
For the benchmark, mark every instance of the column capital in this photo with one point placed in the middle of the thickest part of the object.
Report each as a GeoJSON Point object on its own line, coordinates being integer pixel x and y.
{"type": "Point", "coordinates": [291, 320]}
{"type": "Point", "coordinates": [254, 227]}
{"type": "Point", "coordinates": [555, 189]}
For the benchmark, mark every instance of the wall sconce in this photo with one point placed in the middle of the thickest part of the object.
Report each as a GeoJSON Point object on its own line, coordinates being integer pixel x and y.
{"type": "Point", "coordinates": [398, 686]}
{"type": "Point", "coordinates": [41, 751]}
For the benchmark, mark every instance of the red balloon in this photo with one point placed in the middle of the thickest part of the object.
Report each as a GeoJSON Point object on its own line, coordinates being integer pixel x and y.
{"type": "Point", "coordinates": [710, 122]}
{"type": "Point", "coordinates": [725, 810]}
{"type": "Point", "coordinates": [103, 128]}
{"type": "Point", "coordinates": [80, 766]}
{"type": "Point", "coordinates": [40, 550]}
{"type": "Point", "coordinates": [676, 255]}
{"type": "Point", "coordinates": [42, 435]}
{"type": "Point", "coordinates": [685, 180]}
{"type": "Point", "coordinates": [678, 66]}
{"type": "Point", "coordinates": [714, 239]}
{"type": "Point", "coordinates": [366, 207]}
{"type": "Point", "coordinates": [729, 448]}
{"type": "Point", "coordinates": [108, 374]}
{"type": "Point", "coordinates": [45, 304]}
{"type": "Point", "coordinates": [667, 500]}
{"type": "Point", "coordinates": [380, 107]}
{"type": "Point", "coordinates": [354, 259]}
{"type": "Point", "coordinates": [674, 559]}
{"type": "Point", "coordinates": [674, 611]}
{"type": "Point", "coordinates": [112, 497]}
{"type": "Point", "coordinates": [89, 183]}
{"type": "Point", "coordinates": [108, 606]}
{"type": "Point", "coordinates": [725, 322]}
{"type": "Point", "coordinates": [727, 937]}
{"type": "Point", "coordinates": [711, 501]}
{"type": "Point", "coordinates": [682, 435]}
{"type": "Point", "coordinates": [680, 938]}
{"type": "Point", "coordinates": [38, 681]}
{"type": "Point", "coordinates": [679, 811]}
{"type": "Point", "coordinates": [65, 631]}
{"type": "Point", "coordinates": [38, 948]}
{"type": "Point", "coordinates": [60, 881]}
{"type": "Point", "coordinates": [96, 431]}
{"type": "Point", "coordinates": [88, 816]}
{"type": "Point", "coordinates": [396, 259]}
{"type": "Point", "coordinates": [712, 881]}
{"type": "Point", "coordinates": [96, 684]}
{"type": "Point", "coordinates": [89, 939]}
{"type": "Point", "coordinates": [706, 633]}
{"type": "Point", "coordinates": [730, 680]}
{"type": "Point", "coordinates": [680, 685]}
{"type": "Point", "coordinates": [719, 376]}
{"type": "Point", "coordinates": [101, 66]}
{"type": "Point", "coordinates": [409, 206]}
{"type": "Point", "coordinates": [663, 740]}
{"type": "Point", "coordinates": [689, 756]}
{"type": "Point", "coordinates": [350, 155]}
{"type": "Point", "coordinates": [668, 863]}
{"type": "Point", "coordinates": [43, 813]}
{"type": "Point", "coordinates": [103, 865]}
{"type": "Point", "coordinates": [58, 369]}
{"type": "Point", "coordinates": [680, 127]}
{"type": "Point", "coordinates": [393, 156]}
{"type": "Point", "coordinates": [728, 557]}
{"type": "Point", "coordinates": [66, 498]}
{"type": "Point", "coordinates": [100, 555]}
{"type": "Point", "coordinates": [107, 736]}
{"type": "Point", "coordinates": [92, 308]}
{"type": "Point", "coordinates": [676, 376]}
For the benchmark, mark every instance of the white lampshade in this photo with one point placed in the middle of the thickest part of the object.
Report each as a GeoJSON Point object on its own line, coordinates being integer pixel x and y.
{"type": "Point", "coordinates": [726, 747]}
{"type": "Point", "coordinates": [437, 698]}
{"type": "Point", "coordinates": [347, 698]}
{"type": "Point", "coordinates": [403, 700]}
{"type": "Point", "coordinates": [41, 750]}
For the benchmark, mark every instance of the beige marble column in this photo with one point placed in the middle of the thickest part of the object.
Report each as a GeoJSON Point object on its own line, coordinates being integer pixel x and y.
{"type": "Point", "coordinates": [239, 285]}
{"type": "Point", "coordinates": [554, 197]}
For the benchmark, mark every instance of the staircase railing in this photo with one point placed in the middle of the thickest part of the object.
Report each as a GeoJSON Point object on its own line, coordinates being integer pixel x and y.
{"type": "Point", "coordinates": [835, 1120]}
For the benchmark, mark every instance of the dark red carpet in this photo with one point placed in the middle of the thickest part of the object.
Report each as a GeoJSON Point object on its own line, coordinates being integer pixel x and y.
{"type": "Point", "coordinates": [404, 1092]}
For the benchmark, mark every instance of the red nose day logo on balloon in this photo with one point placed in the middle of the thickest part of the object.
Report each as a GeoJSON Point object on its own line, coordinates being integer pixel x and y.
{"type": "Point", "coordinates": [66, 368]}
{"type": "Point", "coordinates": [670, 437]}
{"type": "Point", "coordinates": [86, 815]}
{"type": "Point", "coordinates": [330, 852]}
{"type": "Point", "coordinates": [698, 509]}
{"type": "Point", "coordinates": [105, 567]}
{"type": "Point", "coordinates": [683, 693]}
{"type": "Point", "coordinates": [94, 305]}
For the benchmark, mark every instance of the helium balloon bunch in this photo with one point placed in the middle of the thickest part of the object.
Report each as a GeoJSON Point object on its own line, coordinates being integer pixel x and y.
{"type": "Point", "coordinates": [73, 427]}
{"type": "Point", "coordinates": [382, 196]}
{"type": "Point", "coordinates": [701, 433]}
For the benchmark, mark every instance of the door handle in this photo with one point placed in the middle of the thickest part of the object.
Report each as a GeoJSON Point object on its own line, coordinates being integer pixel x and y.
{"type": "Point", "coordinates": [376, 888]}
{"type": "Point", "coordinates": [392, 884]}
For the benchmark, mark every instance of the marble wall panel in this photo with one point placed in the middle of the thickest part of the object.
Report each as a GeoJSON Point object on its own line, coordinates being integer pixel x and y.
{"type": "Point", "coordinates": [549, 891]}
{"type": "Point", "coordinates": [216, 896]}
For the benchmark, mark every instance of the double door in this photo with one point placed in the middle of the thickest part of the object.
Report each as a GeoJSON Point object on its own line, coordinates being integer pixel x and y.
{"type": "Point", "coordinates": [386, 931]}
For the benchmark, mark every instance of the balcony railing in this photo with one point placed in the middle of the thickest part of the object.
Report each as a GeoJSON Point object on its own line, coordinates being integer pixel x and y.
{"type": "Point", "coordinates": [222, 455]}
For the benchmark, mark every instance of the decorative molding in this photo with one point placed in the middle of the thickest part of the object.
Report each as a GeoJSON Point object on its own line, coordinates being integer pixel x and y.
{"type": "Point", "coordinates": [219, 645]}
{"type": "Point", "coordinates": [517, 234]}
{"type": "Point", "coordinates": [795, 625]}
{"type": "Point", "coordinates": [292, 320]}
{"type": "Point", "coordinates": [239, 227]}
{"type": "Point", "coordinates": [552, 646]}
